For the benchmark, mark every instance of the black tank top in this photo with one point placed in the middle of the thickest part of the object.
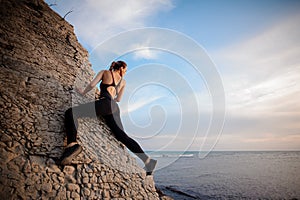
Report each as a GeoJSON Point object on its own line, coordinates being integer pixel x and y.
{"type": "Point", "coordinates": [103, 87]}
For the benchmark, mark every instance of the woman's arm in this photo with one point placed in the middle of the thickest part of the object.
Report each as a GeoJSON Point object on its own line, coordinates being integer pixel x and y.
{"type": "Point", "coordinates": [121, 92]}
{"type": "Point", "coordinates": [92, 84]}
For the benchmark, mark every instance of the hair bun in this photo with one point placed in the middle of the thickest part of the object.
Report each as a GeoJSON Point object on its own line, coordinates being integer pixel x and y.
{"type": "Point", "coordinates": [112, 65]}
{"type": "Point", "coordinates": [117, 65]}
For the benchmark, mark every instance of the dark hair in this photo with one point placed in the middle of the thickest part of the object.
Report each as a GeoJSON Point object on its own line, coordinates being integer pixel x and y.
{"type": "Point", "coordinates": [117, 65]}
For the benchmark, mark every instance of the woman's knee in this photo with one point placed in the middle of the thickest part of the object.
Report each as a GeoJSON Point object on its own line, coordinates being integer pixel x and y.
{"type": "Point", "coordinates": [124, 138]}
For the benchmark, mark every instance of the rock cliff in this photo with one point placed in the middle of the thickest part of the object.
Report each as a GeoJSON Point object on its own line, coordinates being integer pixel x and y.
{"type": "Point", "coordinates": [41, 61]}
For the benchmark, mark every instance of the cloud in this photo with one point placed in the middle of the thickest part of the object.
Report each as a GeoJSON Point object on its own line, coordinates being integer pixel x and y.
{"type": "Point", "coordinates": [96, 21]}
{"type": "Point", "coordinates": [265, 141]}
{"type": "Point", "coordinates": [259, 96]}
{"type": "Point", "coordinates": [145, 53]}
{"type": "Point", "coordinates": [263, 68]}
{"type": "Point", "coordinates": [140, 103]}
{"type": "Point", "coordinates": [261, 78]}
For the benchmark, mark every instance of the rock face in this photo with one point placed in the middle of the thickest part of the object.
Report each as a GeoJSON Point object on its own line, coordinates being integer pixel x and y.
{"type": "Point", "coordinates": [41, 62]}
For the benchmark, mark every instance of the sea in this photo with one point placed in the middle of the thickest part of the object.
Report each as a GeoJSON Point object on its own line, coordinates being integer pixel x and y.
{"type": "Point", "coordinates": [228, 175]}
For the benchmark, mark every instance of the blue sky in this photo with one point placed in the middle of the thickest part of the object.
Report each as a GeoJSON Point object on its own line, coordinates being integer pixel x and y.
{"type": "Point", "coordinates": [169, 105]}
{"type": "Point", "coordinates": [217, 23]}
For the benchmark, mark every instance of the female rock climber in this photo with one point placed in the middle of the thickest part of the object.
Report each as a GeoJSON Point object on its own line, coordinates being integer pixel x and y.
{"type": "Point", "coordinates": [111, 91]}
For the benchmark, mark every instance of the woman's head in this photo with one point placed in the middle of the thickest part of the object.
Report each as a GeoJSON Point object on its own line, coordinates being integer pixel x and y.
{"type": "Point", "coordinates": [117, 65]}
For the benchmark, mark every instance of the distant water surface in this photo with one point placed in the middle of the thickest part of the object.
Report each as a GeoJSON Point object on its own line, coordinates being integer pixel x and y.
{"type": "Point", "coordinates": [229, 175]}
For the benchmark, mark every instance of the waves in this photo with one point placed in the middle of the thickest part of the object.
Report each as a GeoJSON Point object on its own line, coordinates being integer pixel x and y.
{"type": "Point", "coordinates": [173, 154]}
{"type": "Point", "coordinates": [229, 175]}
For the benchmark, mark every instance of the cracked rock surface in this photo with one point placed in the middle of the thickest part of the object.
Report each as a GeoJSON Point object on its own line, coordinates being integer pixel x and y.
{"type": "Point", "coordinates": [41, 60]}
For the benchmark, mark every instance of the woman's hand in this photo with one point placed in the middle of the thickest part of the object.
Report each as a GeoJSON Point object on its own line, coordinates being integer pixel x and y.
{"type": "Point", "coordinates": [80, 91]}
{"type": "Point", "coordinates": [91, 85]}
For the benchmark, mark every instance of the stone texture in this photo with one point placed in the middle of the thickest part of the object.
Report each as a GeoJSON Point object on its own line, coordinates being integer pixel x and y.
{"type": "Point", "coordinates": [41, 62]}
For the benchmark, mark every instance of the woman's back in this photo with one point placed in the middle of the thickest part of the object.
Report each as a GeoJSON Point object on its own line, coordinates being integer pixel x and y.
{"type": "Point", "coordinates": [111, 83]}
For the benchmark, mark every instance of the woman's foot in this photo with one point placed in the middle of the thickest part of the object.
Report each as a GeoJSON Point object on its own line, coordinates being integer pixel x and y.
{"type": "Point", "coordinates": [70, 153]}
{"type": "Point", "coordinates": [149, 166]}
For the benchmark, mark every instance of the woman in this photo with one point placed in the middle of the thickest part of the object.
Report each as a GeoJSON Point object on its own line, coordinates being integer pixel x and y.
{"type": "Point", "coordinates": [111, 91]}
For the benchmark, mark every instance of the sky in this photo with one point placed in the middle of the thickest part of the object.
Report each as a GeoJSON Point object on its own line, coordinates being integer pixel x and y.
{"type": "Point", "coordinates": [202, 75]}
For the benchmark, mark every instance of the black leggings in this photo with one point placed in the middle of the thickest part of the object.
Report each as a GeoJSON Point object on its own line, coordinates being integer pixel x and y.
{"type": "Point", "coordinates": [109, 110]}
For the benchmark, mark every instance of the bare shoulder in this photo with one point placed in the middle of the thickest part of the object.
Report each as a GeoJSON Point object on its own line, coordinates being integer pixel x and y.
{"type": "Point", "coordinates": [104, 72]}
{"type": "Point", "coordinates": [101, 72]}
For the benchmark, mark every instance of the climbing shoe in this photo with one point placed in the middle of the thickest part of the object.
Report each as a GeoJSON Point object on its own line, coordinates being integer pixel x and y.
{"type": "Point", "coordinates": [70, 153]}
{"type": "Point", "coordinates": [149, 167]}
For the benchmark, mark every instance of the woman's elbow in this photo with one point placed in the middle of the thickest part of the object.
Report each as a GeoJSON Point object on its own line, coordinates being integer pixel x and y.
{"type": "Point", "coordinates": [117, 99]}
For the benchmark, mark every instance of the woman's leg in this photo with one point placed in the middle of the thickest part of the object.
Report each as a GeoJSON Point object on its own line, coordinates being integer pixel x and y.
{"type": "Point", "coordinates": [114, 122]}
{"type": "Point", "coordinates": [71, 125]}
{"type": "Point", "coordinates": [120, 135]}
{"type": "Point", "coordinates": [71, 119]}
{"type": "Point", "coordinates": [117, 118]}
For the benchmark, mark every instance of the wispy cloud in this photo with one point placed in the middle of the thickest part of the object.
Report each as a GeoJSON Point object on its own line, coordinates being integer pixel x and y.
{"type": "Point", "coordinates": [139, 103]}
{"type": "Point", "coordinates": [263, 68]}
{"type": "Point", "coordinates": [145, 53]}
{"type": "Point", "coordinates": [258, 96]}
{"type": "Point", "coordinates": [143, 50]}
{"type": "Point", "coordinates": [262, 84]}
{"type": "Point", "coordinates": [96, 20]}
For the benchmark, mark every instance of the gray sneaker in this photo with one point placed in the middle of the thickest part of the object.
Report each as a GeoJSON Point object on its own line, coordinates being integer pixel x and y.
{"type": "Point", "coordinates": [150, 167]}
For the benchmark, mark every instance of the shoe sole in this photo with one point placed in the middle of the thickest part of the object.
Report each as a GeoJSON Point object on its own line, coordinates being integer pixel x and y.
{"type": "Point", "coordinates": [150, 171]}
{"type": "Point", "coordinates": [68, 160]}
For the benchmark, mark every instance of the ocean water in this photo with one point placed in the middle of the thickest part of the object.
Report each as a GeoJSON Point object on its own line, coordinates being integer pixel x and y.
{"type": "Point", "coordinates": [229, 175]}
